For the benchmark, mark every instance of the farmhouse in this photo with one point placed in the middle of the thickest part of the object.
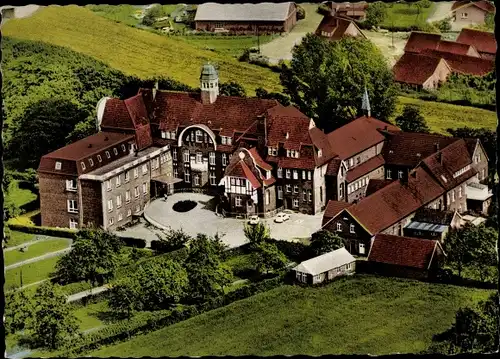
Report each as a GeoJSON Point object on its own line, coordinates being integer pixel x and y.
{"type": "Point", "coordinates": [355, 10]}
{"type": "Point", "coordinates": [405, 256]}
{"type": "Point", "coordinates": [468, 12]}
{"type": "Point", "coordinates": [336, 27]}
{"type": "Point", "coordinates": [263, 18]}
{"type": "Point", "coordinates": [421, 71]}
{"type": "Point", "coordinates": [483, 41]}
{"type": "Point", "coordinates": [326, 267]}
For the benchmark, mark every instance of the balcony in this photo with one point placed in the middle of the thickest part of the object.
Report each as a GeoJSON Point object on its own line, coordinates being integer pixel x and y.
{"type": "Point", "coordinates": [199, 166]}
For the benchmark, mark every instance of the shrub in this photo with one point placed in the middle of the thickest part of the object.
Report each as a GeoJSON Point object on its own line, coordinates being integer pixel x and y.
{"type": "Point", "coordinates": [184, 206]}
{"type": "Point", "coordinates": [134, 242]}
{"type": "Point", "coordinates": [323, 9]}
{"type": "Point", "coordinates": [301, 13]}
{"type": "Point", "coordinates": [295, 251]}
{"type": "Point", "coordinates": [48, 231]}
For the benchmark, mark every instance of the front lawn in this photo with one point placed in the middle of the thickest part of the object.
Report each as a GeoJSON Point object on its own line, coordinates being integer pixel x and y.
{"type": "Point", "coordinates": [16, 238]}
{"type": "Point", "coordinates": [91, 315]}
{"type": "Point", "coordinates": [356, 315]}
{"type": "Point", "coordinates": [20, 196]}
{"type": "Point", "coordinates": [402, 15]}
{"type": "Point", "coordinates": [31, 273]}
{"type": "Point", "coordinates": [36, 250]}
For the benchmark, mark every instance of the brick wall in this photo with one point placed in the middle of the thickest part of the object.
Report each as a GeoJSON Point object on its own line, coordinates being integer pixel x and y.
{"type": "Point", "coordinates": [91, 210]}
{"type": "Point", "coordinates": [54, 200]}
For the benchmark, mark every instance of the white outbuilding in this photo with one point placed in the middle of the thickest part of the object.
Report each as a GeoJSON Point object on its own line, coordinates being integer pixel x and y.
{"type": "Point", "coordinates": [326, 267]}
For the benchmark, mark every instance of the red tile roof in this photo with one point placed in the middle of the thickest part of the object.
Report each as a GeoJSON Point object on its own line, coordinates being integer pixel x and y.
{"type": "Point", "coordinates": [396, 201]}
{"type": "Point", "coordinates": [481, 4]}
{"type": "Point", "coordinates": [414, 68]}
{"type": "Point", "coordinates": [457, 48]}
{"type": "Point", "coordinates": [306, 163]}
{"type": "Point", "coordinates": [419, 41]}
{"type": "Point", "coordinates": [332, 209]}
{"type": "Point", "coordinates": [376, 184]}
{"type": "Point", "coordinates": [333, 167]}
{"type": "Point", "coordinates": [240, 169]}
{"type": "Point", "coordinates": [463, 64]}
{"type": "Point", "coordinates": [364, 168]}
{"type": "Point", "coordinates": [283, 122]}
{"type": "Point", "coordinates": [403, 251]}
{"type": "Point", "coordinates": [320, 140]}
{"type": "Point", "coordinates": [483, 41]}
{"type": "Point", "coordinates": [409, 148]}
{"type": "Point", "coordinates": [258, 160]}
{"type": "Point", "coordinates": [357, 135]}
{"type": "Point", "coordinates": [336, 26]}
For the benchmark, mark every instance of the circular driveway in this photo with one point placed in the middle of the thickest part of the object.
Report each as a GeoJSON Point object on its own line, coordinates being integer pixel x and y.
{"type": "Point", "coordinates": [202, 219]}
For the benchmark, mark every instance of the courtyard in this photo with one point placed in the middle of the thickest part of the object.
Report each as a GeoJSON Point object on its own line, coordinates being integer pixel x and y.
{"type": "Point", "coordinates": [203, 219]}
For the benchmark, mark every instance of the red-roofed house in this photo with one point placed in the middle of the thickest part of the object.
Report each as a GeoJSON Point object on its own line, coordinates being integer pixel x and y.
{"type": "Point", "coordinates": [462, 64]}
{"type": "Point", "coordinates": [354, 10]}
{"type": "Point", "coordinates": [483, 41]}
{"type": "Point", "coordinates": [336, 27]}
{"type": "Point", "coordinates": [421, 71]}
{"type": "Point", "coordinates": [468, 12]}
{"type": "Point", "coordinates": [419, 41]}
{"type": "Point", "coordinates": [405, 256]}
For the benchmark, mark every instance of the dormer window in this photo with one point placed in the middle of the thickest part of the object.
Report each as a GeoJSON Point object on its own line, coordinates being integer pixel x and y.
{"type": "Point", "coordinates": [223, 140]}
{"type": "Point", "coordinates": [199, 136]}
{"type": "Point", "coordinates": [292, 153]}
{"type": "Point", "coordinates": [272, 151]}
{"type": "Point", "coordinates": [58, 165]}
{"type": "Point", "coordinates": [115, 151]}
{"type": "Point", "coordinates": [91, 161]}
{"type": "Point", "coordinates": [320, 153]}
{"type": "Point", "coordinates": [108, 155]}
{"type": "Point", "coordinates": [288, 173]}
{"type": "Point", "coordinates": [83, 166]}
{"type": "Point", "coordinates": [172, 135]}
{"type": "Point", "coordinates": [268, 174]}
{"type": "Point", "coordinates": [123, 148]}
{"type": "Point", "coordinates": [280, 172]}
{"type": "Point", "coordinates": [99, 158]}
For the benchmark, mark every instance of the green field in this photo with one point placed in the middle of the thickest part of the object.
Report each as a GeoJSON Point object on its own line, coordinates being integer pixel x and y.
{"type": "Point", "coordinates": [32, 272]}
{"type": "Point", "coordinates": [89, 315]}
{"type": "Point", "coordinates": [17, 238]}
{"type": "Point", "coordinates": [35, 250]}
{"type": "Point", "coordinates": [357, 315]}
{"type": "Point", "coordinates": [440, 116]}
{"type": "Point", "coordinates": [227, 45]}
{"type": "Point", "coordinates": [118, 13]}
{"type": "Point", "coordinates": [404, 15]}
{"type": "Point", "coordinates": [20, 196]}
{"type": "Point", "coordinates": [133, 51]}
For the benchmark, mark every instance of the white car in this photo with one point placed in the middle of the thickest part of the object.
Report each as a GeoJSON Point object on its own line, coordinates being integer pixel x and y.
{"type": "Point", "coordinates": [253, 220]}
{"type": "Point", "coordinates": [281, 217]}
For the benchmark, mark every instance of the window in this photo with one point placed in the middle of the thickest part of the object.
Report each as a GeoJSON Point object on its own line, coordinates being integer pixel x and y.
{"type": "Point", "coordinates": [223, 140]}
{"type": "Point", "coordinates": [115, 151]}
{"type": "Point", "coordinates": [136, 172]}
{"type": "Point", "coordinates": [224, 159]}
{"type": "Point", "coordinates": [123, 148]}
{"type": "Point", "coordinates": [127, 176]}
{"type": "Point", "coordinates": [83, 166]}
{"type": "Point", "coordinates": [187, 177]}
{"type": "Point", "coordinates": [388, 174]}
{"type": "Point", "coordinates": [186, 156]}
{"type": "Point", "coordinates": [118, 201]}
{"type": "Point", "coordinates": [108, 155]}
{"type": "Point", "coordinates": [268, 197]}
{"type": "Point", "coordinates": [448, 197]}
{"type": "Point", "coordinates": [111, 221]}
{"type": "Point", "coordinates": [341, 191]}
{"type": "Point", "coordinates": [295, 202]}
{"type": "Point", "coordinates": [453, 196]}
{"type": "Point", "coordinates": [172, 135]}
{"type": "Point", "coordinates": [99, 158]}
{"type": "Point", "coordinates": [137, 209]}
{"type": "Point", "coordinates": [459, 192]}
{"type": "Point", "coordinates": [351, 162]}
{"type": "Point", "coordinates": [280, 192]}
{"type": "Point", "coordinates": [211, 158]}
{"type": "Point", "coordinates": [71, 185]}
{"type": "Point", "coordinates": [199, 158]}
{"type": "Point", "coordinates": [321, 194]}
{"type": "Point", "coordinates": [295, 174]}
{"type": "Point", "coordinates": [465, 15]}
{"type": "Point", "coordinates": [212, 178]}
{"type": "Point", "coordinates": [91, 162]}
{"type": "Point", "coordinates": [339, 227]}
{"type": "Point", "coordinates": [287, 173]}
{"type": "Point", "coordinates": [58, 165]}
{"type": "Point", "coordinates": [303, 174]}
{"type": "Point", "coordinates": [108, 185]}
{"type": "Point", "coordinates": [199, 136]}
{"type": "Point", "coordinates": [110, 205]}
{"type": "Point", "coordinates": [127, 196]}
{"type": "Point", "coordinates": [349, 189]}
{"type": "Point", "coordinates": [295, 189]}
{"type": "Point", "coordinates": [176, 173]}
{"type": "Point", "coordinates": [229, 140]}
{"type": "Point", "coordinates": [144, 188]}
{"type": "Point", "coordinates": [129, 212]}
{"type": "Point", "coordinates": [309, 194]}
{"type": "Point", "coordinates": [174, 154]}
{"type": "Point", "coordinates": [237, 201]}
{"type": "Point", "coordinates": [309, 175]}
{"type": "Point", "coordinates": [280, 172]}
{"type": "Point", "coordinates": [351, 228]}
{"type": "Point", "coordinates": [136, 191]}
{"type": "Point", "coordinates": [72, 206]}
{"type": "Point", "coordinates": [400, 174]}
{"type": "Point", "coordinates": [361, 248]}
{"type": "Point", "coordinates": [144, 169]}
{"type": "Point", "coordinates": [233, 181]}
{"type": "Point", "coordinates": [118, 181]}
{"type": "Point", "coordinates": [73, 223]}
{"type": "Point", "coordinates": [272, 151]}
{"type": "Point", "coordinates": [196, 180]}
{"type": "Point", "coordinates": [483, 173]}
{"type": "Point", "coordinates": [288, 188]}
{"type": "Point", "coordinates": [120, 217]}
{"type": "Point", "coordinates": [304, 195]}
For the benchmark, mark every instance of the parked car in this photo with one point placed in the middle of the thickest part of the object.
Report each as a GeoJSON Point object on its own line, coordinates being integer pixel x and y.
{"type": "Point", "coordinates": [253, 220]}
{"type": "Point", "coordinates": [281, 217]}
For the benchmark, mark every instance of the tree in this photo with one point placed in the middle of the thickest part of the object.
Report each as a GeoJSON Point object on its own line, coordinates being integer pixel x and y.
{"type": "Point", "coordinates": [52, 320]}
{"type": "Point", "coordinates": [301, 13]}
{"type": "Point", "coordinates": [174, 239]}
{"type": "Point", "coordinates": [376, 14]}
{"type": "Point", "coordinates": [232, 89]}
{"type": "Point", "coordinates": [152, 14]}
{"type": "Point", "coordinates": [207, 274]}
{"type": "Point", "coordinates": [324, 241]}
{"type": "Point", "coordinates": [257, 233]}
{"type": "Point", "coordinates": [18, 311]}
{"type": "Point", "coordinates": [268, 257]}
{"type": "Point", "coordinates": [125, 297]}
{"type": "Point", "coordinates": [94, 257]}
{"type": "Point", "coordinates": [281, 98]}
{"type": "Point", "coordinates": [10, 208]}
{"type": "Point", "coordinates": [326, 80]}
{"type": "Point", "coordinates": [411, 120]}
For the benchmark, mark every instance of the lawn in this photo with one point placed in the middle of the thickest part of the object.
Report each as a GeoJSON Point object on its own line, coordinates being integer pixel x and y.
{"type": "Point", "coordinates": [119, 13]}
{"type": "Point", "coordinates": [31, 273]}
{"type": "Point", "coordinates": [17, 238]}
{"type": "Point", "coordinates": [312, 20]}
{"type": "Point", "coordinates": [134, 51]}
{"type": "Point", "coordinates": [36, 250]}
{"type": "Point", "coordinates": [404, 15]}
{"type": "Point", "coordinates": [356, 315]}
{"type": "Point", "coordinates": [440, 116]}
{"type": "Point", "coordinates": [91, 315]}
{"type": "Point", "coordinates": [20, 196]}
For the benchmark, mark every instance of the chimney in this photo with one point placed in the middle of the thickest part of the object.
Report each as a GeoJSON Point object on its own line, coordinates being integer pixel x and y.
{"type": "Point", "coordinates": [436, 146]}
{"type": "Point", "coordinates": [287, 135]}
{"type": "Point", "coordinates": [155, 88]}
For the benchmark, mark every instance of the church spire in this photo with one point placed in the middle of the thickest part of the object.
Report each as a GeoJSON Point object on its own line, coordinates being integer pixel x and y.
{"type": "Point", "coordinates": [365, 103]}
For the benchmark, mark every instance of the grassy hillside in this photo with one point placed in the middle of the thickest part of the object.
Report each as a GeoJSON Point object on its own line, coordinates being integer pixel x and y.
{"type": "Point", "coordinates": [404, 15]}
{"type": "Point", "coordinates": [440, 116]}
{"type": "Point", "coordinates": [357, 315]}
{"type": "Point", "coordinates": [133, 51]}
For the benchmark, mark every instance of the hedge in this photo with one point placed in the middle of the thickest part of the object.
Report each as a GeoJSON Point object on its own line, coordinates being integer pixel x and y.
{"type": "Point", "coordinates": [133, 242]}
{"type": "Point", "coordinates": [163, 246]}
{"type": "Point", "coordinates": [295, 251]}
{"type": "Point", "coordinates": [48, 231]}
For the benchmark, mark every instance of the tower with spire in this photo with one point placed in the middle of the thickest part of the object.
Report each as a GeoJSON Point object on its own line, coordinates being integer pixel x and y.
{"type": "Point", "coordinates": [209, 84]}
{"type": "Point", "coordinates": [365, 103]}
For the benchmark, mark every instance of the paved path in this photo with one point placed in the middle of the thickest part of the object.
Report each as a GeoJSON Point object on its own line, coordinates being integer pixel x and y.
{"type": "Point", "coordinates": [36, 259]}
{"type": "Point", "coordinates": [89, 292]}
